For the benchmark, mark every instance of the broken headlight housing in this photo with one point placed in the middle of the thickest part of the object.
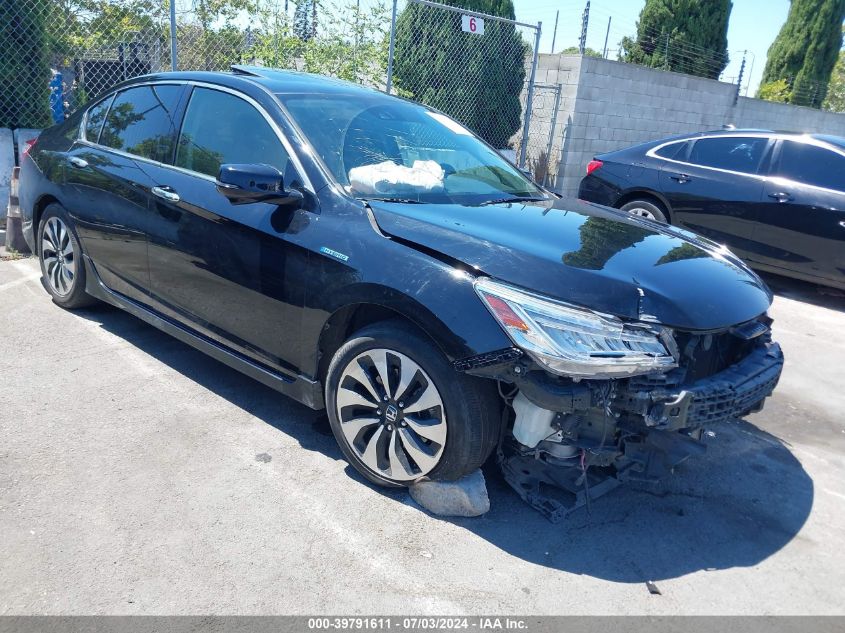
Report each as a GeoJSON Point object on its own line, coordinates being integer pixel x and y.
{"type": "Point", "coordinates": [572, 341]}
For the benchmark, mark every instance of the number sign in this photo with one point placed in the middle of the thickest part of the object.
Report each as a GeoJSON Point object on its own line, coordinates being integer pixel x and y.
{"type": "Point", "coordinates": [472, 24]}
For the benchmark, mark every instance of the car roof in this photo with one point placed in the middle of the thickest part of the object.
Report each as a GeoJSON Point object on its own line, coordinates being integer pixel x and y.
{"type": "Point", "coordinates": [294, 82]}
{"type": "Point", "coordinates": [828, 138]}
{"type": "Point", "coordinates": [271, 79]}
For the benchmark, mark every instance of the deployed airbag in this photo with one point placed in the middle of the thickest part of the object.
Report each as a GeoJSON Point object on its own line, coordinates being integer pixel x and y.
{"type": "Point", "coordinates": [389, 178]}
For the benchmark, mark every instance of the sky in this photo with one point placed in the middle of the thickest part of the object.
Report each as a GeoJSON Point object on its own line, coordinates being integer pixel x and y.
{"type": "Point", "coordinates": [753, 26]}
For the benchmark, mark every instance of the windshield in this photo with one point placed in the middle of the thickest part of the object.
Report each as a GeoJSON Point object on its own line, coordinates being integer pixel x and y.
{"type": "Point", "coordinates": [384, 148]}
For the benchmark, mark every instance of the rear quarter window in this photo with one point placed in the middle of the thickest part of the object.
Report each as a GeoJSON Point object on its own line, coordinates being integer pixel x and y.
{"type": "Point", "coordinates": [672, 150]}
{"type": "Point", "coordinates": [95, 117]}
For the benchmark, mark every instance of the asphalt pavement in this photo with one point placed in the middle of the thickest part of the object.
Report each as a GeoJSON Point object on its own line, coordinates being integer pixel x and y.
{"type": "Point", "coordinates": [138, 476]}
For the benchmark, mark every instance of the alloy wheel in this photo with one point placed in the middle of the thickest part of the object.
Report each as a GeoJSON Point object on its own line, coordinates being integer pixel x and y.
{"type": "Point", "coordinates": [643, 213]}
{"type": "Point", "coordinates": [391, 415]}
{"type": "Point", "coordinates": [59, 257]}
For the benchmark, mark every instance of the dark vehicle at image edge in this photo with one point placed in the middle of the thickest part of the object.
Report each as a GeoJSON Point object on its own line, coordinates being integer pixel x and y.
{"type": "Point", "coordinates": [775, 199]}
{"type": "Point", "coordinates": [459, 310]}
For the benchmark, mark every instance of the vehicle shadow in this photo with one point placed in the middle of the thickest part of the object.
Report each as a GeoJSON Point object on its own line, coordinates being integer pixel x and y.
{"type": "Point", "coordinates": [806, 292]}
{"type": "Point", "coordinates": [734, 507]}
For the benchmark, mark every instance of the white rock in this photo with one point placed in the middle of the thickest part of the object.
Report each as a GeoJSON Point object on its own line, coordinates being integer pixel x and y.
{"type": "Point", "coordinates": [466, 497]}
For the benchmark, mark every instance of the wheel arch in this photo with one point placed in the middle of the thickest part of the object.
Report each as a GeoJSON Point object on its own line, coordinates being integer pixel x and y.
{"type": "Point", "coordinates": [645, 194]}
{"type": "Point", "coordinates": [38, 209]}
{"type": "Point", "coordinates": [350, 318]}
{"type": "Point", "coordinates": [456, 321]}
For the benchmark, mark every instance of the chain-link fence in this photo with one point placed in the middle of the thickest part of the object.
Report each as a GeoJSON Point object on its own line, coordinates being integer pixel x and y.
{"type": "Point", "coordinates": [538, 150]}
{"type": "Point", "coordinates": [470, 65]}
{"type": "Point", "coordinates": [58, 54]}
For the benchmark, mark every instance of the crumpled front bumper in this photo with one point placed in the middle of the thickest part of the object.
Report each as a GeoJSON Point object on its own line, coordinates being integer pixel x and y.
{"type": "Point", "coordinates": [734, 392]}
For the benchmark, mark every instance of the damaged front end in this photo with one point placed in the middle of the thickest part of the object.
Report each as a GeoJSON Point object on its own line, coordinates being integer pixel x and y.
{"type": "Point", "coordinates": [570, 439]}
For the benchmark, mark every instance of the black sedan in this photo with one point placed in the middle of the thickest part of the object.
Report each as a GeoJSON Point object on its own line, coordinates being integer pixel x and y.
{"type": "Point", "coordinates": [776, 199]}
{"type": "Point", "coordinates": [369, 255]}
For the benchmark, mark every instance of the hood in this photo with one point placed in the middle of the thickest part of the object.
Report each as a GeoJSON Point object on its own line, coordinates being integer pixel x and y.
{"type": "Point", "coordinates": [589, 255]}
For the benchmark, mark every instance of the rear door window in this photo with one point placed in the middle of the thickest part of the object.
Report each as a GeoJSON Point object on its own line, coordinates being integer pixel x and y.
{"type": "Point", "coordinates": [736, 153]}
{"type": "Point", "coordinates": [220, 128]}
{"type": "Point", "coordinates": [811, 165]}
{"type": "Point", "coordinates": [141, 121]}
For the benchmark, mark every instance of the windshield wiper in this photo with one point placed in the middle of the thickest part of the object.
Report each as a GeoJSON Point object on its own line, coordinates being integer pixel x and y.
{"type": "Point", "coordinates": [400, 200]}
{"type": "Point", "coordinates": [512, 199]}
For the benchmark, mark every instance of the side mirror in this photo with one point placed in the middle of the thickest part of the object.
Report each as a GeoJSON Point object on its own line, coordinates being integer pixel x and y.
{"type": "Point", "coordinates": [245, 184]}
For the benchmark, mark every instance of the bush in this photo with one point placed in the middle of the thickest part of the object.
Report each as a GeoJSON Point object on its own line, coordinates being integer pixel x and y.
{"type": "Point", "coordinates": [774, 91]}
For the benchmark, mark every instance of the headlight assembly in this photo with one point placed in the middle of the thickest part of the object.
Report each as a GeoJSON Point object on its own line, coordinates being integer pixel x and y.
{"type": "Point", "coordinates": [572, 341]}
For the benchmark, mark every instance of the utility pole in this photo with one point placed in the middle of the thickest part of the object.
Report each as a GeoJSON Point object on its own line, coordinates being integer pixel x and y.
{"type": "Point", "coordinates": [314, 20]}
{"type": "Point", "coordinates": [585, 20]}
{"type": "Point", "coordinates": [554, 35]}
{"type": "Point", "coordinates": [739, 79]}
{"type": "Point", "coordinates": [606, 35]}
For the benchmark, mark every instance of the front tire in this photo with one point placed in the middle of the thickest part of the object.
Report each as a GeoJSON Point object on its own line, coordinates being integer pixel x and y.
{"type": "Point", "coordinates": [60, 255]}
{"type": "Point", "coordinates": [400, 412]}
{"type": "Point", "coordinates": [645, 209]}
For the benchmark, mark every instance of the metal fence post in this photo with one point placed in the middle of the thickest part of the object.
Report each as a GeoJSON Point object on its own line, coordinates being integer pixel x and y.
{"type": "Point", "coordinates": [529, 98]}
{"type": "Point", "coordinates": [552, 134]}
{"type": "Point", "coordinates": [173, 35]}
{"type": "Point", "coordinates": [391, 48]}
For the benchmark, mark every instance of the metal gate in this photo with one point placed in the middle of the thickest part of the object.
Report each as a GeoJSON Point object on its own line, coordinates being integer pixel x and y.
{"type": "Point", "coordinates": [538, 151]}
{"type": "Point", "coordinates": [470, 65]}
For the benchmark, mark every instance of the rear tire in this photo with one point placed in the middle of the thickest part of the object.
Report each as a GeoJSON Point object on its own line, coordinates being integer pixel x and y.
{"type": "Point", "coordinates": [645, 209]}
{"type": "Point", "coordinates": [430, 421]}
{"type": "Point", "coordinates": [60, 255]}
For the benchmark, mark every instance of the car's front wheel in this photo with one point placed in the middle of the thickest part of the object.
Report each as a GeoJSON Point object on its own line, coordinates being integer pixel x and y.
{"type": "Point", "coordinates": [400, 412]}
{"type": "Point", "coordinates": [60, 255]}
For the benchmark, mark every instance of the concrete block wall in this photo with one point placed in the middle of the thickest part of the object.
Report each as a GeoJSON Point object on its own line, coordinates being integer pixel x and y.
{"type": "Point", "coordinates": [608, 105]}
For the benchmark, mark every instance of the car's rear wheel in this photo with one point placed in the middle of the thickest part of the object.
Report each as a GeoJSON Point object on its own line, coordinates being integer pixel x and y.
{"type": "Point", "coordinates": [60, 255]}
{"type": "Point", "coordinates": [645, 209]}
{"type": "Point", "coordinates": [400, 412]}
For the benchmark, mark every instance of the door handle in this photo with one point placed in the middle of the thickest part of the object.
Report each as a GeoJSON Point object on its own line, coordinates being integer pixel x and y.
{"type": "Point", "coordinates": [165, 193]}
{"type": "Point", "coordinates": [681, 178]}
{"type": "Point", "coordinates": [79, 163]}
{"type": "Point", "coordinates": [781, 196]}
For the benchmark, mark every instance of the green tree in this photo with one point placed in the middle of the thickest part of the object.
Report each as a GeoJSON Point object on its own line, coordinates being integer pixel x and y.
{"type": "Point", "coordinates": [305, 19]}
{"type": "Point", "coordinates": [774, 91]}
{"type": "Point", "coordinates": [24, 65]}
{"type": "Point", "coordinates": [688, 36]}
{"type": "Point", "coordinates": [352, 45]}
{"type": "Point", "coordinates": [835, 100]}
{"type": "Point", "coordinates": [476, 79]}
{"type": "Point", "coordinates": [573, 50]}
{"type": "Point", "coordinates": [805, 51]}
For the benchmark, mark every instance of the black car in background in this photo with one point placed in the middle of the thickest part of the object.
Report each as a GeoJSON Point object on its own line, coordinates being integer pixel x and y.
{"type": "Point", "coordinates": [370, 255]}
{"type": "Point", "coordinates": [776, 199]}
